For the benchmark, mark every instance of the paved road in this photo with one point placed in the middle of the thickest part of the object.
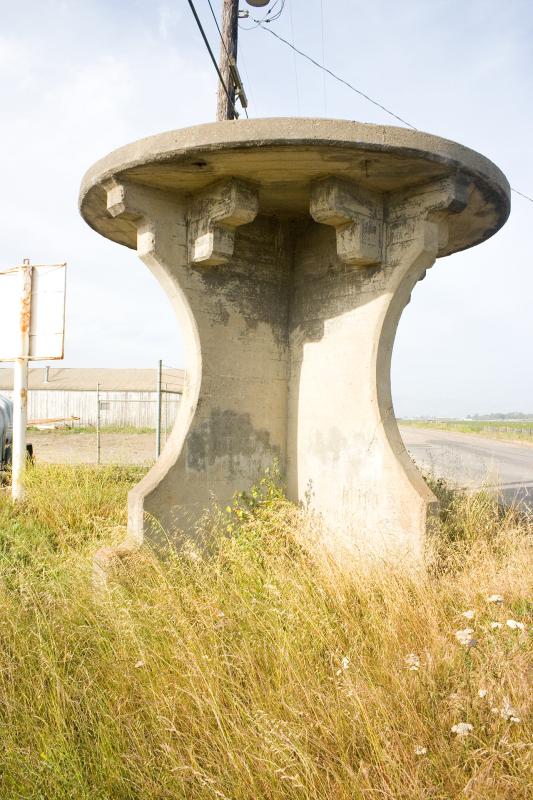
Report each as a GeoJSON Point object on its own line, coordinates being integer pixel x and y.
{"type": "Point", "coordinates": [470, 460]}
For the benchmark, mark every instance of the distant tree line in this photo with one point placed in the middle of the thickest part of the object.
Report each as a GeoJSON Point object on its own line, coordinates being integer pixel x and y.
{"type": "Point", "coordinates": [508, 415]}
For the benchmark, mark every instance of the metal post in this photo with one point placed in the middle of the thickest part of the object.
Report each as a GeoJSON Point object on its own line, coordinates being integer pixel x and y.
{"type": "Point", "coordinates": [158, 410]}
{"type": "Point", "coordinates": [228, 54]}
{"type": "Point", "coordinates": [20, 387]}
{"type": "Point", "coordinates": [97, 423]}
{"type": "Point", "coordinates": [166, 416]}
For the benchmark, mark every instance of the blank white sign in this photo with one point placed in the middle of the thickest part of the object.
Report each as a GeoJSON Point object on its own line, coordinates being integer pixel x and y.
{"type": "Point", "coordinates": [47, 317]}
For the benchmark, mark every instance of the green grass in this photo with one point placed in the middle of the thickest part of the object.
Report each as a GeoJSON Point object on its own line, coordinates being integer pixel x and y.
{"type": "Point", "coordinates": [508, 430]}
{"type": "Point", "coordinates": [125, 429]}
{"type": "Point", "coordinates": [253, 672]}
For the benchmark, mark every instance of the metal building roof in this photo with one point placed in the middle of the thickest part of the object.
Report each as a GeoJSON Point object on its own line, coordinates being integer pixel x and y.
{"type": "Point", "coordinates": [84, 380]}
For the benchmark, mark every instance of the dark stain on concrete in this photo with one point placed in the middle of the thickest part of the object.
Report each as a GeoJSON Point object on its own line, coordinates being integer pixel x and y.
{"type": "Point", "coordinates": [230, 436]}
{"type": "Point", "coordinates": [256, 282]}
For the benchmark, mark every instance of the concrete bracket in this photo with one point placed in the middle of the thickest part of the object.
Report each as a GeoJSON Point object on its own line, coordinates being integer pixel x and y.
{"type": "Point", "coordinates": [357, 216]}
{"type": "Point", "coordinates": [441, 197]}
{"type": "Point", "coordinates": [129, 201]}
{"type": "Point", "coordinates": [411, 215]}
{"type": "Point", "coordinates": [214, 215]}
{"type": "Point", "coordinates": [141, 208]}
{"type": "Point", "coordinates": [432, 202]}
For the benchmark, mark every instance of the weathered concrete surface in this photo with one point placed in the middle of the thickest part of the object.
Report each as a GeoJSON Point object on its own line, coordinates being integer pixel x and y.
{"type": "Point", "coordinates": [289, 249]}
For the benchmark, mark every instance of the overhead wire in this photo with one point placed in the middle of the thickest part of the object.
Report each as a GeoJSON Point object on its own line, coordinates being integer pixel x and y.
{"type": "Point", "coordinates": [363, 94]}
{"type": "Point", "coordinates": [267, 18]}
{"type": "Point", "coordinates": [337, 77]}
{"type": "Point", "coordinates": [224, 45]}
{"type": "Point", "coordinates": [294, 55]}
{"type": "Point", "coordinates": [525, 196]}
{"type": "Point", "coordinates": [206, 41]}
{"type": "Point", "coordinates": [248, 82]}
{"type": "Point", "coordinates": [218, 26]}
{"type": "Point", "coordinates": [323, 58]}
{"type": "Point", "coordinates": [259, 23]}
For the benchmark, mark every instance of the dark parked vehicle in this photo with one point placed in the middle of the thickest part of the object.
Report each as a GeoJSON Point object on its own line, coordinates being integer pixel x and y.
{"type": "Point", "coordinates": [6, 431]}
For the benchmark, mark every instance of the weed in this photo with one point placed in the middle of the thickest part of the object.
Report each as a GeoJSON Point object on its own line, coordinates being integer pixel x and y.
{"type": "Point", "coordinates": [249, 673]}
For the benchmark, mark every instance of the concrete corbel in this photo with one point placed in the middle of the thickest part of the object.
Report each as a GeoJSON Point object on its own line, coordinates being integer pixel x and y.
{"type": "Point", "coordinates": [432, 202]}
{"type": "Point", "coordinates": [138, 208]}
{"type": "Point", "coordinates": [357, 216]}
{"type": "Point", "coordinates": [214, 215]}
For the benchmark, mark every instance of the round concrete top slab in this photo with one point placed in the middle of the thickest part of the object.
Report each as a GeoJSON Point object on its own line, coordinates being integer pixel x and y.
{"type": "Point", "coordinates": [282, 156]}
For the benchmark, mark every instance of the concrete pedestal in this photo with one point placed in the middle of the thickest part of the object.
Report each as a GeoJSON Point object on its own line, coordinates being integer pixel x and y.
{"type": "Point", "coordinates": [289, 248]}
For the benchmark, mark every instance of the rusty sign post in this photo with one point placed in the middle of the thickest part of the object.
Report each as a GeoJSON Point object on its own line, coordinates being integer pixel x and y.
{"type": "Point", "coordinates": [20, 385]}
{"type": "Point", "coordinates": [33, 324]}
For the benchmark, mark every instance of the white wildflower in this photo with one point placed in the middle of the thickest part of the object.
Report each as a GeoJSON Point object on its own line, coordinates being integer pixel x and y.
{"type": "Point", "coordinates": [139, 664]}
{"type": "Point", "coordinates": [345, 663]}
{"type": "Point", "coordinates": [466, 637]}
{"type": "Point", "coordinates": [482, 693]}
{"type": "Point", "coordinates": [504, 742]}
{"type": "Point", "coordinates": [470, 614]}
{"type": "Point", "coordinates": [495, 598]}
{"type": "Point", "coordinates": [495, 625]}
{"type": "Point", "coordinates": [508, 712]}
{"type": "Point", "coordinates": [413, 662]}
{"type": "Point", "coordinates": [462, 729]}
{"type": "Point", "coordinates": [420, 750]}
{"type": "Point", "coordinates": [515, 625]}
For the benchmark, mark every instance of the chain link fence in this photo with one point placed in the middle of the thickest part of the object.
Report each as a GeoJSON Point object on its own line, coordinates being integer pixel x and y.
{"type": "Point", "coordinates": [102, 426]}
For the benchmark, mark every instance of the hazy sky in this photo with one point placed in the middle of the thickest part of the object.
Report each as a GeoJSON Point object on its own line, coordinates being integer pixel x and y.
{"type": "Point", "coordinates": [78, 79]}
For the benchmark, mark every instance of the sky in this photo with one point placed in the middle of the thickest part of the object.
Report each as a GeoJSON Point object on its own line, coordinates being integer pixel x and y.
{"type": "Point", "coordinates": [80, 78]}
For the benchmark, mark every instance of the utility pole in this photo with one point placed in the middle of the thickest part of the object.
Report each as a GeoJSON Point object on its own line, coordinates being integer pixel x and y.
{"type": "Point", "coordinates": [228, 59]}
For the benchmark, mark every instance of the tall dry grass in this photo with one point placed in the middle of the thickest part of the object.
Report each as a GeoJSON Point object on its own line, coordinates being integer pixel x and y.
{"type": "Point", "coordinates": [249, 673]}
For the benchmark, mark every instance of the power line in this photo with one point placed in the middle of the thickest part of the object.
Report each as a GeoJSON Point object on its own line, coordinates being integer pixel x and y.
{"type": "Point", "coordinates": [267, 18]}
{"type": "Point", "coordinates": [525, 196]}
{"type": "Point", "coordinates": [323, 58]}
{"type": "Point", "coordinates": [225, 48]}
{"type": "Point", "coordinates": [204, 37]}
{"type": "Point", "coordinates": [248, 81]}
{"type": "Point", "coordinates": [218, 27]}
{"type": "Point", "coordinates": [358, 91]}
{"type": "Point", "coordinates": [260, 24]}
{"type": "Point", "coordinates": [337, 77]}
{"type": "Point", "coordinates": [294, 57]}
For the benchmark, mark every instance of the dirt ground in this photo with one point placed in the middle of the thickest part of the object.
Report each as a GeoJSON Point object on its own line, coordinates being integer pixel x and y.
{"type": "Point", "coordinates": [57, 447]}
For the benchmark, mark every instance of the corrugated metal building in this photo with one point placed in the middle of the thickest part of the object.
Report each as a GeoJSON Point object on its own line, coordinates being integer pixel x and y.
{"type": "Point", "coordinates": [127, 396]}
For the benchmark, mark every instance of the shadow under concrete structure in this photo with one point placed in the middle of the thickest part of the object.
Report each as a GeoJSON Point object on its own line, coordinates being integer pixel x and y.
{"type": "Point", "coordinates": [289, 248]}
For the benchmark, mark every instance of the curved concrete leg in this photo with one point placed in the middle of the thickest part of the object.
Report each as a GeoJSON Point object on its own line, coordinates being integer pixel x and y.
{"type": "Point", "coordinates": [346, 457]}
{"type": "Point", "coordinates": [231, 298]}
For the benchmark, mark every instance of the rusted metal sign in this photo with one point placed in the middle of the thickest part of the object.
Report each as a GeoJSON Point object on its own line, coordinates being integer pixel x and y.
{"type": "Point", "coordinates": [32, 303]}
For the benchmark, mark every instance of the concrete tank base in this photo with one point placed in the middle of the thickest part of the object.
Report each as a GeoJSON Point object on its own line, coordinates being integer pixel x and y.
{"type": "Point", "coordinates": [289, 248]}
